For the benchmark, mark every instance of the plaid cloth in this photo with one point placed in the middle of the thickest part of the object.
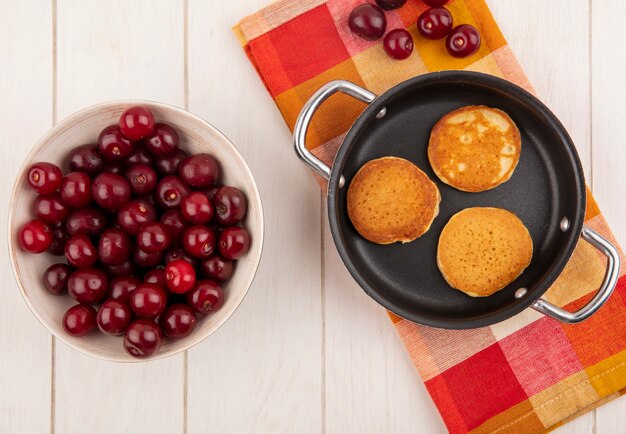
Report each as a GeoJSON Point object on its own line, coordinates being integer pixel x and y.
{"type": "Point", "coordinates": [528, 374]}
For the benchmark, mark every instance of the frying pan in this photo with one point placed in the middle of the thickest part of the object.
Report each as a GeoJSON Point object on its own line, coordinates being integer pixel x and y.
{"type": "Point", "coordinates": [547, 192]}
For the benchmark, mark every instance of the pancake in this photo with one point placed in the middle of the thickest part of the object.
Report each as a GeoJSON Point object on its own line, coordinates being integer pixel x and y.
{"type": "Point", "coordinates": [390, 199]}
{"type": "Point", "coordinates": [482, 250]}
{"type": "Point", "coordinates": [474, 148]}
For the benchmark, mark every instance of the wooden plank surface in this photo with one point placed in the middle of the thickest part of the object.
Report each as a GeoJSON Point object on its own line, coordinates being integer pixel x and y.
{"type": "Point", "coordinates": [371, 384]}
{"type": "Point", "coordinates": [25, 115]}
{"type": "Point", "coordinates": [112, 50]}
{"type": "Point", "coordinates": [262, 371]}
{"type": "Point", "coordinates": [307, 351]}
{"type": "Point", "coordinates": [609, 145]}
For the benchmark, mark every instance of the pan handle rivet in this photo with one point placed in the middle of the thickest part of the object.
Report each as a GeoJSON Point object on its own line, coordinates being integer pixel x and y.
{"type": "Point", "coordinates": [520, 293]}
{"type": "Point", "coordinates": [564, 224]}
{"type": "Point", "coordinates": [381, 114]}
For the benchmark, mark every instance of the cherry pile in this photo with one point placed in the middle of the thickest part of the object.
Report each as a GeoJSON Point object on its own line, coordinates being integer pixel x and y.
{"type": "Point", "coordinates": [147, 231]}
{"type": "Point", "coordinates": [370, 23]}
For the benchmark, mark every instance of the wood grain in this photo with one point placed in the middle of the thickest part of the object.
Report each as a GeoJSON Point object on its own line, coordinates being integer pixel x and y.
{"type": "Point", "coordinates": [307, 351]}
{"type": "Point", "coordinates": [111, 50]}
{"type": "Point", "coordinates": [371, 383]}
{"type": "Point", "coordinates": [25, 114]}
{"type": "Point", "coordinates": [554, 54]}
{"type": "Point", "coordinates": [609, 147]}
{"type": "Point", "coordinates": [609, 129]}
{"type": "Point", "coordinates": [262, 371]}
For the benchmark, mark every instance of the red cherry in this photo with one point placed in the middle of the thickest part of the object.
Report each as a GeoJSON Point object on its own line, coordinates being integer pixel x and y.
{"type": "Point", "coordinates": [148, 300]}
{"type": "Point", "coordinates": [390, 4]}
{"type": "Point", "coordinates": [88, 285]}
{"type": "Point", "coordinates": [463, 41]}
{"type": "Point", "coordinates": [137, 122]}
{"type": "Point", "coordinates": [177, 252]}
{"type": "Point", "coordinates": [153, 237]}
{"type": "Point", "coordinates": [147, 260]}
{"type": "Point", "coordinates": [206, 297]}
{"type": "Point", "coordinates": [80, 251]}
{"type": "Point", "coordinates": [234, 242]}
{"type": "Point", "coordinates": [115, 167]}
{"type": "Point", "coordinates": [50, 208]}
{"type": "Point", "coordinates": [199, 170]}
{"type": "Point", "coordinates": [163, 141]}
{"type": "Point", "coordinates": [140, 156]}
{"type": "Point", "coordinates": [114, 247]}
{"type": "Point", "coordinates": [114, 317]}
{"type": "Point", "coordinates": [398, 44]}
{"type": "Point", "coordinates": [113, 145]}
{"type": "Point", "coordinates": [142, 178]}
{"type": "Point", "coordinates": [76, 190]}
{"type": "Point", "coordinates": [134, 215]}
{"type": "Point", "coordinates": [125, 269]}
{"type": "Point", "coordinates": [434, 23]}
{"type": "Point", "coordinates": [35, 236]}
{"type": "Point", "coordinates": [142, 338]}
{"type": "Point", "coordinates": [368, 21]}
{"type": "Point", "coordinates": [169, 164]}
{"type": "Point", "coordinates": [59, 238]}
{"type": "Point", "coordinates": [180, 276]}
{"type": "Point", "coordinates": [230, 205]}
{"type": "Point", "coordinates": [122, 287]}
{"type": "Point", "coordinates": [156, 276]}
{"type": "Point", "coordinates": [199, 241]}
{"type": "Point", "coordinates": [89, 221]}
{"type": "Point", "coordinates": [55, 278]}
{"type": "Point", "coordinates": [210, 193]}
{"type": "Point", "coordinates": [435, 3]}
{"type": "Point", "coordinates": [44, 178]}
{"type": "Point", "coordinates": [174, 222]}
{"type": "Point", "coordinates": [171, 191]}
{"type": "Point", "coordinates": [217, 268]}
{"type": "Point", "coordinates": [79, 320]}
{"type": "Point", "coordinates": [197, 208]}
{"type": "Point", "coordinates": [111, 191]}
{"type": "Point", "coordinates": [86, 158]}
{"type": "Point", "coordinates": [178, 321]}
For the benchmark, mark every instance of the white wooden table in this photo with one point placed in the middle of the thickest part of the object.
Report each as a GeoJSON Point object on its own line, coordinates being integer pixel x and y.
{"type": "Point", "coordinates": [308, 351]}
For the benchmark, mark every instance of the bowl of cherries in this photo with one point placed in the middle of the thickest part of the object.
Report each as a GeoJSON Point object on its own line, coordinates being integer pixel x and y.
{"type": "Point", "coordinates": [135, 229]}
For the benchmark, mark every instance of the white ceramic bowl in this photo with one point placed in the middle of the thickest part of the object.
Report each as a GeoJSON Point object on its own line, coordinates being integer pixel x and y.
{"type": "Point", "coordinates": [83, 127]}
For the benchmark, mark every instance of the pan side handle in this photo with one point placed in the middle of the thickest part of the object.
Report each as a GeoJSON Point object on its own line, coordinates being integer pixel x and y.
{"type": "Point", "coordinates": [603, 294]}
{"type": "Point", "coordinates": [306, 115]}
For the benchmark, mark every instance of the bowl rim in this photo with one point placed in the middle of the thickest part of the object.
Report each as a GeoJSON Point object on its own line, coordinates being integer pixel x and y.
{"type": "Point", "coordinates": [12, 241]}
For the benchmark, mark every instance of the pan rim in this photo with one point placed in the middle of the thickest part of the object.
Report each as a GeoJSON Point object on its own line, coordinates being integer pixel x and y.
{"type": "Point", "coordinates": [553, 270]}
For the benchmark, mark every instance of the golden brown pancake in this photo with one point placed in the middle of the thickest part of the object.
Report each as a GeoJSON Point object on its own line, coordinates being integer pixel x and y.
{"type": "Point", "coordinates": [475, 148]}
{"type": "Point", "coordinates": [482, 250]}
{"type": "Point", "coordinates": [390, 199]}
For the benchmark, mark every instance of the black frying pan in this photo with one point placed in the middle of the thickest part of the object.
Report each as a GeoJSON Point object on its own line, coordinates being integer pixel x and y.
{"type": "Point", "coordinates": [546, 191]}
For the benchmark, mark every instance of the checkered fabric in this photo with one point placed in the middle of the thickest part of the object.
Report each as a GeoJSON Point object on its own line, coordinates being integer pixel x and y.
{"type": "Point", "coordinates": [528, 374]}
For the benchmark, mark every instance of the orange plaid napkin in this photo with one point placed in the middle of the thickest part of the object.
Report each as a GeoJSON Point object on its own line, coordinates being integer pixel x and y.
{"type": "Point", "coordinates": [528, 374]}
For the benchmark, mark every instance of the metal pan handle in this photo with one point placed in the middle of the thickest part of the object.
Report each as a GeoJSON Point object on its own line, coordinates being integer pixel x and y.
{"type": "Point", "coordinates": [603, 294]}
{"type": "Point", "coordinates": [309, 109]}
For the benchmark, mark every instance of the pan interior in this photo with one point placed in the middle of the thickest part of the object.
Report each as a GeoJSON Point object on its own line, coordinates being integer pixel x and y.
{"type": "Point", "coordinates": [546, 187]}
